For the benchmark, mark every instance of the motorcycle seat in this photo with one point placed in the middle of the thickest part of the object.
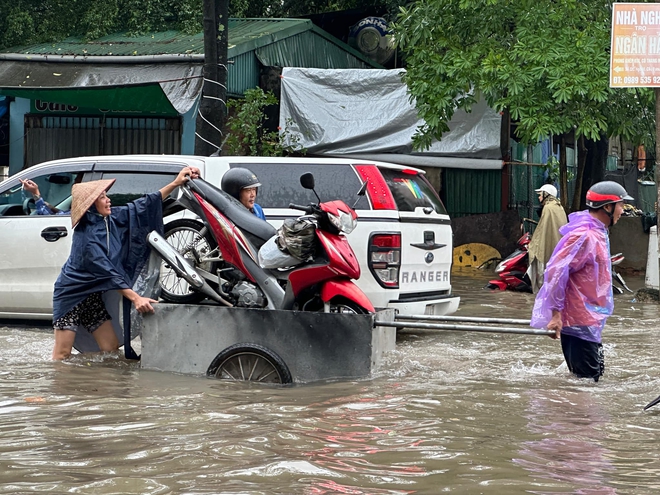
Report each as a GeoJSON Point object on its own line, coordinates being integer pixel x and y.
{"type": "Point", "coordinates": [256, 229]}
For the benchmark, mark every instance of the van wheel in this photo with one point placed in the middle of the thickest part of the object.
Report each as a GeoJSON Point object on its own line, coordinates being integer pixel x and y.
{"type": "Point", "coordinates": [249, 362]}
{"type": "Point", "coordinates": [191, 239]}
{"type": "Point", "coordinates": [344, 306]}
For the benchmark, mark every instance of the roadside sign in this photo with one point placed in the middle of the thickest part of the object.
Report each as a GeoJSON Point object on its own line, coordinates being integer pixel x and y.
{"type": "Point", "coordinates": [635, 46]}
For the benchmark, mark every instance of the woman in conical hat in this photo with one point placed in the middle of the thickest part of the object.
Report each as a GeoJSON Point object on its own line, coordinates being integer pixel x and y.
{"type": "Point", "coordinates": [108, 251]}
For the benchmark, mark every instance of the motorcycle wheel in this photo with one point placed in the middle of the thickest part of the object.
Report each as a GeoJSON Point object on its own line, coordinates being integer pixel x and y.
{"type": "Point", "coordinates": [344, 306]}
{"type": "Point", "coordinates": [249, 362]}
{"type": "Point", "coordinates": [186, 237]}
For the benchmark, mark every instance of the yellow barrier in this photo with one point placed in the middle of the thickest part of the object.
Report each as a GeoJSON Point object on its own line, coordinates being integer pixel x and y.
{"type": "Point", "coordinates": [474, 254]}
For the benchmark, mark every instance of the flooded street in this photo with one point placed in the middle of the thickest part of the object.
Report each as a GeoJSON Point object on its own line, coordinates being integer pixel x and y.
{"type": "Point", "coordinates": [450, 412]}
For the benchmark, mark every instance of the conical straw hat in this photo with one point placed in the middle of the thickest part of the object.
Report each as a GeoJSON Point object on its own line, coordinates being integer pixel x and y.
{"type": "Point", "coordinates": [85, 195]}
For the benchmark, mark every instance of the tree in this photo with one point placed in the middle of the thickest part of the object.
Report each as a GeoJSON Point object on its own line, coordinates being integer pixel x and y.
{"type": "Point", "coordinates": [247, 133]}
{"type": "Point", "coordinates": [37, 21]}
{"type": "Point", "coordinates": [545, 61]}
{"type": "Point", "coordinates": [26, 22]}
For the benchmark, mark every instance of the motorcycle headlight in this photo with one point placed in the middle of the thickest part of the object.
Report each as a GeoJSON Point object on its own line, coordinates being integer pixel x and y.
{"type": "Point", "coordinates": [344, 222]}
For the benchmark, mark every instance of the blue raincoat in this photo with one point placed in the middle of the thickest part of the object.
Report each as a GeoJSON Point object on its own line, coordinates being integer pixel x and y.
{"type": "Point", "coordinates": [107, 253]}
{"type": "Point", "coordinates": [578, 280]}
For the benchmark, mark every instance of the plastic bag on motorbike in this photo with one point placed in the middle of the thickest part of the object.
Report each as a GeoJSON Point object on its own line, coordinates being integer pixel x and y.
{"type": "Point", "coordinates": [271, 256]}
{"type": "Point", "coordinates": [298, 238]}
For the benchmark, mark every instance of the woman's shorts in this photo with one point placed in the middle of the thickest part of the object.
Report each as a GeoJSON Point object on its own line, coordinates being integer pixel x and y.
{"type": "Point", "coordinates": [90, 314]}
{"type": "Point", "coordinates": [584, 359]}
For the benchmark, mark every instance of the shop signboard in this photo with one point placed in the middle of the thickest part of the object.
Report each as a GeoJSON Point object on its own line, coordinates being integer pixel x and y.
{"type": "Point", "coordinates": [635, 46]}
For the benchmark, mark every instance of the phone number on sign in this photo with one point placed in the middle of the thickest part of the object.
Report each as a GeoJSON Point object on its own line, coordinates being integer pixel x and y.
{"type": "Point", "coordinates": [637, 80]}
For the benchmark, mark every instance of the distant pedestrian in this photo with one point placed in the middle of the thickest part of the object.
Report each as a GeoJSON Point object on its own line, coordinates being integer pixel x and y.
{"type": "Point", "coordinates": [108, 250]}
{"type": "Point", "coordinates": [576, 297]}
{"type": "Point", "coordinates": [546, 236]}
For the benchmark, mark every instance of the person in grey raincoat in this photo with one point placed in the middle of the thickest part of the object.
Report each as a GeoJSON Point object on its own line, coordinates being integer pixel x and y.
{"type": "Point", "coordinates": [108, 250]}
{"type": "Point", "coordinates": [546, 236]}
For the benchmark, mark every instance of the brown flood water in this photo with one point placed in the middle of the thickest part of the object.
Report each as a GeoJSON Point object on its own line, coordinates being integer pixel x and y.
{"type": "Point", "coordinates": [449, 412]}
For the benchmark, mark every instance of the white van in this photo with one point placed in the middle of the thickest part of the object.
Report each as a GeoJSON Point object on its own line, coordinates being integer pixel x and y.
{"type": "Point", "coordinates": [403, 239]}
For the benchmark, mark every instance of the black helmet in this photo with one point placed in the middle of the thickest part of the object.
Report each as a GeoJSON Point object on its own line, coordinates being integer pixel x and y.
{"type": "Point", "coordinates": [236, 179]}
{"type": "Point", "coordinates": [605, 193]}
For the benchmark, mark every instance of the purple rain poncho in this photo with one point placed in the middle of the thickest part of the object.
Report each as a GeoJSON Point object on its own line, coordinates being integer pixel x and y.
{"type": "Point", "coordinates": [578, 280]}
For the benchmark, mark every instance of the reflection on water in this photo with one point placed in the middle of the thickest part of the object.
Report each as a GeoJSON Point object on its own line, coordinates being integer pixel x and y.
{"type": "Point", "coordinates": [568, 452]}
{"type": "Point", "coordinates": [449, 412]}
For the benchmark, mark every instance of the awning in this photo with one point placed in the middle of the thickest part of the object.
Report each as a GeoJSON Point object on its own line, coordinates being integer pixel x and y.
{"type": "Point", "coordinates": [422, 160]}
{"type": "Point", "coordinates": [163, 89]}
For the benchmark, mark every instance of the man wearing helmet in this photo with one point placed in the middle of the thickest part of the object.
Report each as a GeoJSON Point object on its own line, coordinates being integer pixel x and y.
{"type": "Point", "coordinates": [242, 184]}
{"type": "Point", "coordinates": [546, 236]}
{"type": "Point", "coordinates": [576, 297]}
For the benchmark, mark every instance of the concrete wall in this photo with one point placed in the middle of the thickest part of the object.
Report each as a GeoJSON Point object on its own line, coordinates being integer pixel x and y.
{"type": "Point", "coordinates": [628, 237]}
{"type": "Point", "coordinates": [500, 230]}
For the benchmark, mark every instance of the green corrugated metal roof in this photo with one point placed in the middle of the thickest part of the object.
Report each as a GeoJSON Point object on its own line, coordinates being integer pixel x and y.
{"type": "Point", "coordinates": [244, 35]}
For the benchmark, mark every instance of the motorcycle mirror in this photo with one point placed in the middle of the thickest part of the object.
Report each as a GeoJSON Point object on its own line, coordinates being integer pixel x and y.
{"type": "Point", "coordinates": [363, 188]}
{"type": "Point", "coordinates": [307, 180]}
{"type": "Point", "coordinates": [361, 192]}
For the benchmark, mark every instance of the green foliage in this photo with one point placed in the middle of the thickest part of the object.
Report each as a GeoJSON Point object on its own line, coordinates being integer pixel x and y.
{"type": "Point", "coordinates": [546, 61]}
{"type": "Point", "coordinates": [247, 136]}
{"type": "Point", "coordinates": [28, 22]}
{"type": "Point", "coordinates": [39, 21]}
{"type": "Point", "coordinates": [553, 170]}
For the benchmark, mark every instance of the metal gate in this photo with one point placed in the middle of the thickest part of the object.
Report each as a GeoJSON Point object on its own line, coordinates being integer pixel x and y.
{"type": "Point", "coordinates": [50, 138]}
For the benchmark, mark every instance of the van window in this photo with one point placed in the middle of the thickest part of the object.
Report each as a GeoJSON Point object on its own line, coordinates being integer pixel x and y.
{"type": "Point", "coordinates": [280, 184]}
{"type": "Point", "coordinates": [411, 191]}
{"type": "Point", "coordinates": [53, 187]}
{"type": "Point", "coordinates": [131, 186]}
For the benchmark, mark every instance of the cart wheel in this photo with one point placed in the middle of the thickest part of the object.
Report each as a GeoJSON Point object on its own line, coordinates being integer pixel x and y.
{"type": "Point", "coordinates": [249, 362]}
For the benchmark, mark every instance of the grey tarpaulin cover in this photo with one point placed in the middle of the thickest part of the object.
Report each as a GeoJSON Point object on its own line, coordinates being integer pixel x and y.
{"type": "Point", "coordinates": [181, 82]}
{"type": "Point", "coordinates": [367, 113]}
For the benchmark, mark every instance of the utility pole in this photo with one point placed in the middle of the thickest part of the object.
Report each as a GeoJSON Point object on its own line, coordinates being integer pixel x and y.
{"type": "Point", "coordinates": [212, 108]}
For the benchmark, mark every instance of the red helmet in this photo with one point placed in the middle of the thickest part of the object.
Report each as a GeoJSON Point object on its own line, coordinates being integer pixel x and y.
{"type": "Point", "coordinates": [605, 193]}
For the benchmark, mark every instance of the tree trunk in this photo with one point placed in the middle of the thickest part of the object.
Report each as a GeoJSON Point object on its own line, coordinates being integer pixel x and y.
{"type": "Point", "coordinates": [583, 152]}
{"type": "Point", "coordinates": [563, 174]}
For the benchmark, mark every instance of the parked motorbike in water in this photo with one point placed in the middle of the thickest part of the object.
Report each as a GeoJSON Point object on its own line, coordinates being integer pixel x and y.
{"type": "Point", "coordinates": [512, 271]}
{"type": "Point", "coordinates": [618, 284]}
{"type": "Point", "coordinates": [221, 261]}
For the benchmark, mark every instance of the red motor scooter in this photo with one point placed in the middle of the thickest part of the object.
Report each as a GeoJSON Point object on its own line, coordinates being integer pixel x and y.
{"type": "Point", "coordinates": [512, 270]}
{"type": "Point", "coordinates": [322, 284]}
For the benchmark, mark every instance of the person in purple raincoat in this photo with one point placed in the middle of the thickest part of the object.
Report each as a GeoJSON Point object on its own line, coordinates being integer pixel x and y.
{"type": "Point", "coordinates": [576, 297]}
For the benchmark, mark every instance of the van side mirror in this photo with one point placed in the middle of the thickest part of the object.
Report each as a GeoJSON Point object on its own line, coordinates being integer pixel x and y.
{"type": "Point", "coordinates": [307, 180]}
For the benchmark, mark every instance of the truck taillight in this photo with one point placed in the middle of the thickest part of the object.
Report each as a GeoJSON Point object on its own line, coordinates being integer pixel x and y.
{"type": "Point", "coordinates": [377, 189]}
{"type": "Point", "coordinates": [385, 258]}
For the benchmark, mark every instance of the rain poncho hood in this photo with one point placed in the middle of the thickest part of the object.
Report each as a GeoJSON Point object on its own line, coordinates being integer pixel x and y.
{"type": "Point", "coordinates": [546, 236]}
{"type": "Point", "coordinates": [107, 253]}
{"type": "Point", "coordinates": [578, 280]}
